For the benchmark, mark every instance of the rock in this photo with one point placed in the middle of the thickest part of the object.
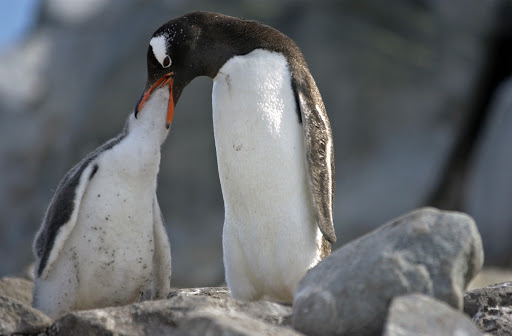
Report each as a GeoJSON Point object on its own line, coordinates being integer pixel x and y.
{"type": "Point", "coordinates": [490, 180]}
{"type": "Point", "coordinates": [16, 317]}
{"type": "Point", "coordinates": [17, 289]}
{"type": "Point", "coordinates": [219, 296]}
{"type": "Point", "coordinates": [491, 308]}
{"type": "Point", "coordinates": [426, 251]}
{"type": "Point", "coordinates": [199, 311]}
{"type": "Point", "coordinates": [418, 314]}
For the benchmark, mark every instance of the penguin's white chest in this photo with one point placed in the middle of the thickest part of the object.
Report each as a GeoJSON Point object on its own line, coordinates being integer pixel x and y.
{"type": "Point", "coordinates": [113, 238]}
{"type": "Point", "coordinates": [269, 221]}
{"type": "Point", "coordinates": [258, 136]}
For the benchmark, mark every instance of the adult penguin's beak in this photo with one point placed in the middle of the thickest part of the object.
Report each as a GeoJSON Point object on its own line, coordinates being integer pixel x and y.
{"type": "Point", "coordinates": [161, 82]}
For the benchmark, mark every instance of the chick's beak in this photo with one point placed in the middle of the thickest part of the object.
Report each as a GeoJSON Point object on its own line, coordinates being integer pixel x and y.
{"type": "Point", "coordinates": [161, 82]}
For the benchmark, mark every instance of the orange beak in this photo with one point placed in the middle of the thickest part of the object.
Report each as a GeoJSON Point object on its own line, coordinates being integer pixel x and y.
{"type": "Point", "coordinates": [163, 81]}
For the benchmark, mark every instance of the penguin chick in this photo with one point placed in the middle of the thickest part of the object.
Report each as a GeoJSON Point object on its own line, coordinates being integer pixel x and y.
{"type": "Point", "coordinates": [102, 241]}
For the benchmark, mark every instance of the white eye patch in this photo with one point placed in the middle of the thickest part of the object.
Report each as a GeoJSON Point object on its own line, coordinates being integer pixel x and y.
{"type": "Point", "coordinates": [160, 51]}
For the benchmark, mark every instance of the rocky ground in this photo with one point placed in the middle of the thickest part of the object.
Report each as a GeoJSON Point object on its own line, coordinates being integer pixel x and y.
{"type": "Point", "coordinates": [408, 277]}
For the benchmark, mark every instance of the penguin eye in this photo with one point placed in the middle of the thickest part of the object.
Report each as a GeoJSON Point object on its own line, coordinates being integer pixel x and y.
{"type": "Point", "coordinates": [167, 62]}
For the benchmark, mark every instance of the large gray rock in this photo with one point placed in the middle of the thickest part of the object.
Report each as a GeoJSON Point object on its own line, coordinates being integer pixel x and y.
{"type": "Point", "coordinates": [491, 308]}
{"type": "Point", "coordinates": [199, 311]}
{"type": "Point", "coordinates": [16, 317]}
{"type": "Point", "coordinates": [417, 315]}
{"type": "Point", "coordinates": [17, 288]}
{"type": "Point", "coordinates": [489, 190]}
{"type": "Point", "coordinates": [397, 79]}
{"type": "Point", "coordinates": [426, 251]}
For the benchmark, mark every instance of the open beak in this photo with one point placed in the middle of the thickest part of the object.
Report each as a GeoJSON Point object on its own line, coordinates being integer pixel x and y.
{"type": "Point", "coordinates": [163, 81]}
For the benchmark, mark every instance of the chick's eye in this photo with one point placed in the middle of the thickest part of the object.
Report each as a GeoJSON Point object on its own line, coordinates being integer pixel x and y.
{"type": "Point", "coordinates": [167, 62]}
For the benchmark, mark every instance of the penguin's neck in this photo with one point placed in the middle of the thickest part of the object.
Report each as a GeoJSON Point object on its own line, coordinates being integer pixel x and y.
{"type": "Point", "coordinates": [142, 139]}
{"type": "Point", "coordinates": [149, 127]}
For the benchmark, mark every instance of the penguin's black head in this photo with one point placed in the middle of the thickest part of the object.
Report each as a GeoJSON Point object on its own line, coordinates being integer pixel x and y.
{"type": "Point", "coordinates": [169, 61]}
{"type": "Point", "coordinates": [198, 44]}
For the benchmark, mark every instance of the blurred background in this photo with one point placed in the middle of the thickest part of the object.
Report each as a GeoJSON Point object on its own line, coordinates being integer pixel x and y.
{"type": "Point", "coordinates": [418, 93]}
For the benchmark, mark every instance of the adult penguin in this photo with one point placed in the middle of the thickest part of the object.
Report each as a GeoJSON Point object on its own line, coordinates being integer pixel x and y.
{"type": "Point", "coordinates": [273, 140]}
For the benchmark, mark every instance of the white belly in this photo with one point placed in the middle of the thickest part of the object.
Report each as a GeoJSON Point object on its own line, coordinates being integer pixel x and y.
{"type": "Point", "coordinates": [260, 152]}
{"type": "Point", "coordinates": [112, 243]}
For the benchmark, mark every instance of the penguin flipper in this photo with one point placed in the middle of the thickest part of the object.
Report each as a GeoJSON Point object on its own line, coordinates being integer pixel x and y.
{"type": "Point", "coordinates": [161, 256]}
{"type": "Point", "coordinates": [61, 216]}
{"type": "Point", "coordinates": [319, 160]}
